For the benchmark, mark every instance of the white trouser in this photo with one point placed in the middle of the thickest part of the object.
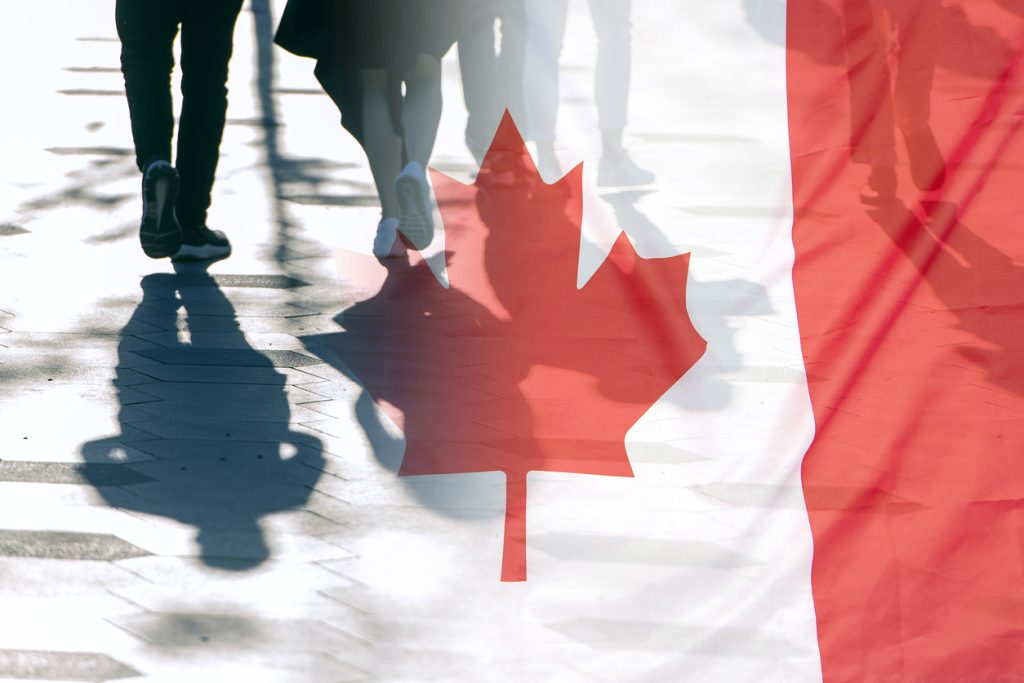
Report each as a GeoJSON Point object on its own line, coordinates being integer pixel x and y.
{"type": "Point", "coordinates": [545, 30]}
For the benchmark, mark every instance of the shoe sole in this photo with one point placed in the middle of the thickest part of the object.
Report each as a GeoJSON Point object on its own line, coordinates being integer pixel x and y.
{"type": "Point", "coordinates": [388, 246]}
{"type": "Point", "coordinates": [160, 234]}
{"type": "Point", "coordinates": [203, 252]}
{"type": "Point", "coordinates": [417, 219]}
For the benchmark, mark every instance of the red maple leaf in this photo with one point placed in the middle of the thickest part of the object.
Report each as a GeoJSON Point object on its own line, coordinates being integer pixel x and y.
{"type": "Point", "coordinates": [513, 368]}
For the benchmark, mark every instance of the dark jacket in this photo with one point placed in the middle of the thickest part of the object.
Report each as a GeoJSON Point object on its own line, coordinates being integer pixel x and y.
{"type": "Point", "coordinates": [306, 30]}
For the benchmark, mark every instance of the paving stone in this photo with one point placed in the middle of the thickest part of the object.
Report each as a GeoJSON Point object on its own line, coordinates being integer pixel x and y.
{"type": "Point", "coordinates": [92, 151]}
{"type": "Point", "coordinates": [240, 309]}
{"type": "Point", "coordinates": [227, 451]}
{"type": "Point", "coordinates": [50, 578]}
{"type": "Point", "coordinates": [62, 666]}
{"type": "Point", "coordinates": [228, 357]}
{"type": "Point", "coordinates": [65, 545]}
{"type": "Point", "coordinates": [632, 550]}
{"type": "Point", "coordinates": [208, 296]}
{"type": "Point", "coordinates": [285, 590]}
{"type": "Point", "coordinates": [253, 666]}
{"type": "Point", "coordinates": [230, 324]}
{"type": "Point", "coordinates": [226, 375]}
{"type": "Point", "coordinates": [92, 92]}
{"type": "Point", "coordinates": [272, 409]}
{"type": "Point", "coordinates": [246, 281]}
{"type": "Point", "coordinates": [39, 395]}
{"type": "Point", "coordinates": [195, 629]}
{"type": "Point", "coordinates": [226, 430]}
{"type": "Point", "coordinates": [41, 341]}
{"type": "Point", "coordinates": [68, 473]}
{"type": "Point", "coordinates": [20, 374]}
{"type": "Point", "coordinates": [226, 340]}
{"type": "Point", "coordinates": [655, 636]}
{"type": "Point", "coordinates": [225, 393]}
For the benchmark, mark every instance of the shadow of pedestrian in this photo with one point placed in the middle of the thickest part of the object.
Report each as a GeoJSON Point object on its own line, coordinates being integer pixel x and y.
{"type": "Point", "coordinates": [217, 424]}
{"type": "Point", "coordinates": [513, 368]}
{"type": "Point", "coordinates": [958, 264]}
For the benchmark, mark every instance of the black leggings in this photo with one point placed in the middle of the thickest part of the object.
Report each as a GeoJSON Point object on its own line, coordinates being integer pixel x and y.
{"type": "Point", "coordinates": [147, 29]}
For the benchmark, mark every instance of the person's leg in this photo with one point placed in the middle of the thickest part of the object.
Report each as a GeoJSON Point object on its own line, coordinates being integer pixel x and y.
{"type": "Point", "coordinates": [147, 29]}
{"type": "Point", "coordinates": [382, 144]}
{"type": "Point", "coordinates": [545, 30]}
{"type": "Point", "coordinates": [383, 147]}
{"type": "Point", "coordinates": [613, 25]}
{"type": "Point", "coordinates": [511, 60]}
{"type": "Point", "coordinates": [421, 115]}
{"type": "Point", "coordinates": [478, 66]}
{"type": "Point", "coordinates": [207, 34]}
{"type": "Point", "coordinates": [917, 31]}
{"type": "Point", "coordinates": [421, 108]}
{"type": "Point", "coordinates": [872, 136]}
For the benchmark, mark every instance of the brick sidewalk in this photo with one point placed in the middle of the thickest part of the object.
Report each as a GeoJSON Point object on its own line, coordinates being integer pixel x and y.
{"type": "Point", "coordinates": [187, 490]}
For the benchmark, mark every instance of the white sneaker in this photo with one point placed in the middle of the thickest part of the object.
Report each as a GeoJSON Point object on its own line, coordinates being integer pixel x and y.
{"type": "Point", "coordinates": [417, 215]}
{"type": "Point", "coordinates": [387, 243]}
{"type": "Point", "coordinates": [622, 172]}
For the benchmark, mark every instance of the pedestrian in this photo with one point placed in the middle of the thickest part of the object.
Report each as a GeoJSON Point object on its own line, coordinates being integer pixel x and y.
{"type": "Point", "coordinates": [491, 66]}
{"type": "Point", "coordinates": [380, 61]}
{"type": "Point", "coordinates": [545, 32]}
{"type": "Point", "coordinates": [891, 50]}
{"type": "Point", "coordinates": [176, 197]}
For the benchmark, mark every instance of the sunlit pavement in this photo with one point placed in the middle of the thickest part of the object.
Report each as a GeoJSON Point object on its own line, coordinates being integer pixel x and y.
{"type": "Point", "coordinates": [186, 492]}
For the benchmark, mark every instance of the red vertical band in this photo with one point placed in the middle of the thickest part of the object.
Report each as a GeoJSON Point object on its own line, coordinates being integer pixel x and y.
{"type": "Point", "coordinates": [908, 169]}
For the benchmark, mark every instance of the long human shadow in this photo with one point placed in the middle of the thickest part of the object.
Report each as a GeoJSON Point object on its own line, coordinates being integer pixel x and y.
{"type": "Point", "coordinates": [291, 178]}
{"type": "Point", "coordinates": [217, 424]}
{"type": "Point", "coordinates": [958, 264]}
{"type": "Point", "coordinates": [726, 298]}
{"type": "Point", "coordinates": [512, 368]}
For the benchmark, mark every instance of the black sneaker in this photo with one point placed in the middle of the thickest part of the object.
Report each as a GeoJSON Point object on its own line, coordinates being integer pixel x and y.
{"type": "Point", "coordinates": [199, 243]}
{"type": "Point", "coordinates": [159, 234]}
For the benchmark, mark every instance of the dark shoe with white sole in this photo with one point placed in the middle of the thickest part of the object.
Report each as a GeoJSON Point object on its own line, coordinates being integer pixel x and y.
{"type": "Point", "coordinates": [159, 234]}
{"type": "Point", "coordinates": [200, 243]}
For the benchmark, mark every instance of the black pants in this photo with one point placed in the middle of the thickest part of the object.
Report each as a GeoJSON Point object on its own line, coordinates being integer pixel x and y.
{"type": "Point", "coordinates": [147, 29]}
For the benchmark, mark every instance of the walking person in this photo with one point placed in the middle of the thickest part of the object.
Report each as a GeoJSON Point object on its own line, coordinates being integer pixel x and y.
{"type": "Point", "coordinates": [380, 61]}
{"type": "Point", "coordinates": [891, 50]}
{"type": "Point", "coordinates": [176, 197]}
{"type": "Point", "coordinates": [545, 33]}
{"type": "Point", "coordinates": [491, 66]}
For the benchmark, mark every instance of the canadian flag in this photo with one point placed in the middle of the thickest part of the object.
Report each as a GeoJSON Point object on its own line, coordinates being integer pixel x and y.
{"type": "Point", "coordinates": [830, 490]}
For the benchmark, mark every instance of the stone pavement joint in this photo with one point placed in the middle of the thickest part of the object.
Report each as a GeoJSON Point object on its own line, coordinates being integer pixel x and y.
{"type": "Point", "coordinates": [62, 666]}
{"type": "Point", "coordinates": [189, 279]}
{"type": "Point", "coordinates": [229, 357]}
{"type": "Point", "coordinates": [66, 545]}
{"type": "Point", "coordinates": [98, 474]}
